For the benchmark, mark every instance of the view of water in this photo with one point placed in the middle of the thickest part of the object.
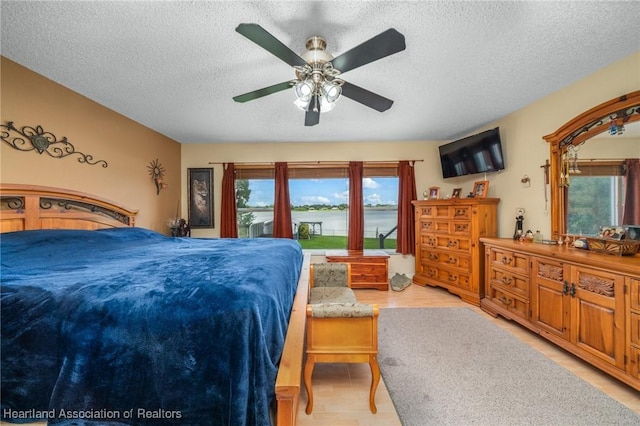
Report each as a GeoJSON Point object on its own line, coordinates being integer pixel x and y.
{"type": "Point", "coordinates": [334, 222]}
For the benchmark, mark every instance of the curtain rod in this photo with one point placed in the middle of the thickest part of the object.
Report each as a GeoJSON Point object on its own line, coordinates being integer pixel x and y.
{"type": "Point", "coordinates": [271, 163]}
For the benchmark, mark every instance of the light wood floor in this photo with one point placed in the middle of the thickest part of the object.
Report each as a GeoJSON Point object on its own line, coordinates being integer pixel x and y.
{"type": "Point", "coordinates": [341, 391]}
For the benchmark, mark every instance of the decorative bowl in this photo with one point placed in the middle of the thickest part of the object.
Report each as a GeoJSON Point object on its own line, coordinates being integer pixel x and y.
{"type": "Point", "coordinates": [615, 247]}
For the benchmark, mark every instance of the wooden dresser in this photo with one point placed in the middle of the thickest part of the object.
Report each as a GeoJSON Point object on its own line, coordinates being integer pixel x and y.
{"type": "Point", "coordinates": [588, 303]}
{"type": "Point", "coordinates": [369, 268]}
{"type": "Point", "coordinates": [448, 250]}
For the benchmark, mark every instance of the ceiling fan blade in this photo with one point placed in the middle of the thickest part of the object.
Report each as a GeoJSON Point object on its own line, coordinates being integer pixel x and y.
{"type": "Point", "coordinates": [312, 116]}
{"type": "Point", "coordinates": [384, 44]}
{"type": "Point", "coordinates": [262, 38]}
{"type": "Point", "coordinates": [365, 97]}
{"type": "Point", "coordinates": [263, 92]}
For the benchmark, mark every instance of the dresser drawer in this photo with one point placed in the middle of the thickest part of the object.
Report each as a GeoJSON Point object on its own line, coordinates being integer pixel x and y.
{"type": "Point", "coordinates": [427, 241]}
{"type": "Point", "coordinates": [460, 212]}
{"type": "Point", "coordinates": [509, 301]}
{"type": "Point", "coordinates": [634, 285]}
{"type": "Point", "coordinates": [516, 263]}
{"type": "Point", "coordinates": [433, 211]}
{"type": "Point", "coordinates": [549, 270]}
{"type": "Point", "coordinates": [369, 272]}
{"type": "Point", "coordinates": [451, 242]}
{"type": "Point", "coordinates": [460, 228]}
{"type": "Point", "coordinates": [634, 362]}
{"type": "Point", "coordinates": [446, 258]}
{"type": "Point", "coordinates": [434, 226]}
{"type": "Point", "coordinates": [449, 277]}
{"type": "Point", "coordinates": [635, 329]}
{"type": "Point", "coordinates": [518, 284]}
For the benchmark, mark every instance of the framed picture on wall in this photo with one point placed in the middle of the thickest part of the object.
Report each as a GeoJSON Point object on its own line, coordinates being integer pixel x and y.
{"type": "Point", "coordinates": [200, 196]}
{"type": "Point", "coordinates": [480, 188]}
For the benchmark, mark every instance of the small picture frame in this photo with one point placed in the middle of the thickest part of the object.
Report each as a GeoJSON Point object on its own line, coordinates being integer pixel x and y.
{"type": "Point", "coordinates": [456, 192]}
{"type": "Point", "coordinates": [200, 187]}
{"type": "Point", "coordinates": [480, 188]}
{"type": "Point", "coordinates": [434, 192]}
{"type": "Point", "coordinates": [611, 232]}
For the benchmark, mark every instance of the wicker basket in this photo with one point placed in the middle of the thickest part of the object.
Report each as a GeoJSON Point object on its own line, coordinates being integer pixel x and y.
{"type": "Point", "coordinates": [615, 247]}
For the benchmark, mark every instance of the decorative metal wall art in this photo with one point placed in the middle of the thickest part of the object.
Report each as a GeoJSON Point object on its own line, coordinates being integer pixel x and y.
{"type": "Point", "coordinates": [36, 139]}
{"type": "Point", "coordinates": [156, 171]}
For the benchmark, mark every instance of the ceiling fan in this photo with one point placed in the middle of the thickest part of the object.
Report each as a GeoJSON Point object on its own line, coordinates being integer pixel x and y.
{"type": "Point", "coordinates": [317, 83]}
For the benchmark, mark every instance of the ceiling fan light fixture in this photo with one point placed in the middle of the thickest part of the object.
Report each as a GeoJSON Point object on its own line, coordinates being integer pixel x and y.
{"type": "Point", "coordinates": [331, 91]}
{"type": "Point", "coordinates": [302, 104]}
{"type": "Point", "coordinates": [304, 90]}
{"type": "Point", "coordinates": [317, 85]}
{"type": "Point", "coordinates": [325, 104]}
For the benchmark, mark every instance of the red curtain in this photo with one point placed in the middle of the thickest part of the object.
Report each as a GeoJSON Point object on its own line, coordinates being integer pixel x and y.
{"type": "Point", "coordinates": [228, 216]}
{"type": "Point", "coordinates": [355, 240]}
{"type": "Point", "coordinates": [631, 215]}
{"type": "Point", "coordinates": [282, 227]}
{"type": "Point", "coordinates": [406, 194]}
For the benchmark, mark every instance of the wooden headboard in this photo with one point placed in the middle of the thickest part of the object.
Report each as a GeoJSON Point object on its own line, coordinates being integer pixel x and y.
{"type": "Point", "coordinates": [27, 207]}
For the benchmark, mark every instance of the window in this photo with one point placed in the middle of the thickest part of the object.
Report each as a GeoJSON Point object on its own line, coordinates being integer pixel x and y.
{"type": "Point", "coordinates": [596, 197]}
{"type": "Point", "coordinates": [320, 204]}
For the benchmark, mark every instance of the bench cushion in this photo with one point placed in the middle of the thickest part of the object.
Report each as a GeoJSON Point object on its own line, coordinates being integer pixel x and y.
{"type": "Point", "coordinates": [342, 310]}
{"type": "Point", "coordinates": [331, 295]}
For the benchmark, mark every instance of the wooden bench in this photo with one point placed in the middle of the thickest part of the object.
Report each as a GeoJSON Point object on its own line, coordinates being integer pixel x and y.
{"type": "Point", "coordinates": [339, 329]}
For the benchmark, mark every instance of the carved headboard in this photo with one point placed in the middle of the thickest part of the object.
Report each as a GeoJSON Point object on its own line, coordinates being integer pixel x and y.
{"type": "Point", "coordinates": [28, 207]}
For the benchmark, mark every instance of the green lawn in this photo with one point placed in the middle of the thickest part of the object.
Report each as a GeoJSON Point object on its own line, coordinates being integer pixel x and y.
{"type": "Point", "coordinates": [333, 242]}
{"type": "Point", "coordinates": [340, 242]}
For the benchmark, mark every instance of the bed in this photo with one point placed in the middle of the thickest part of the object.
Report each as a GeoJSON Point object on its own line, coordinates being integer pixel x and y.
{"type": "Point", "coordinates": [106, 323]}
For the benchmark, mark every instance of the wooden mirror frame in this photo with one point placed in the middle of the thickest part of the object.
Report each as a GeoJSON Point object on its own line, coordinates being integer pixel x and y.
{"type": "Point", "coordinates": [625, 109]}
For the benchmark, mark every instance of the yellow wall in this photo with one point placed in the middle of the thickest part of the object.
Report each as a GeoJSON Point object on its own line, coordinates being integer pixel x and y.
{"type": "Point", "coordinates": [523, 147]}
{"type": "Point", "coordinates": [29, 99]}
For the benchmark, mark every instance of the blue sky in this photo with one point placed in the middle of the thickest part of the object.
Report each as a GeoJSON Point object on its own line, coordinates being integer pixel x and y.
{"type": "Point", "coordinates": [325, 191]}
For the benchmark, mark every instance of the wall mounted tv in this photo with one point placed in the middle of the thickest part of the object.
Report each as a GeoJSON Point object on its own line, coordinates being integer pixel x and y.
{"type": "Point", "coordinates": [480, 153]}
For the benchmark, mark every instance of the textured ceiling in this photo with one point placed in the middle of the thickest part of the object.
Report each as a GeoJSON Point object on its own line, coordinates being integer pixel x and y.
{"type": "Point", "coordinates": [174, 66]}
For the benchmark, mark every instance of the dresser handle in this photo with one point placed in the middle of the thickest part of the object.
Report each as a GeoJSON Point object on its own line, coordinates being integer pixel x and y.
{"type": "Point", "coordinates": [453, 277]}
{"type": "Point", "coordinates": [506, 301]}
{"type": "Point", "coordinates": [506, 280]}
{"type": "Point", "coordinates": [507, 260]}
{"type": "Point", "coordinates": [572, 291]}
{"type": "Point", "coordinates": [565, 288]}
{"type": "Point", "coordinates": [452, 243]}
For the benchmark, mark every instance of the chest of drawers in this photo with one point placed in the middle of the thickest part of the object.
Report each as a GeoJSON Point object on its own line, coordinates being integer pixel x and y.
{"type": "Point", "coordinates": [447, 244]}
{"type": "Point", "coordinates": [369, 268]}
{"type": "Point", "coordinates": [587, 303]}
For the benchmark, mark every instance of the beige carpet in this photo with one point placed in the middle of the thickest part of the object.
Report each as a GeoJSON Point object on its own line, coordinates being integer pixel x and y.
{"type": "Point", "coordinates": [451, 366]}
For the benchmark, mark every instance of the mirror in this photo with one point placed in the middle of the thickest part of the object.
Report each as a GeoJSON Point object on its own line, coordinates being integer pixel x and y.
{"type": "Point", "coordinates": [592, 124]}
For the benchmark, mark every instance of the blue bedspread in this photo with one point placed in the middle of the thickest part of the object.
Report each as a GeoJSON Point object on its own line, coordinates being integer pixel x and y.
{"type": "Point", "coordinates": [127, 326]}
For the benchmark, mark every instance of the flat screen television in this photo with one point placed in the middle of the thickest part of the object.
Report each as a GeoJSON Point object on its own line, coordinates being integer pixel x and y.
{"type": "Point", "coordinates": [480, 153]}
